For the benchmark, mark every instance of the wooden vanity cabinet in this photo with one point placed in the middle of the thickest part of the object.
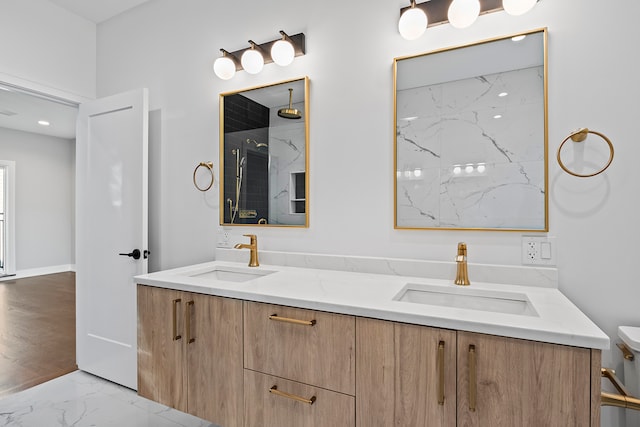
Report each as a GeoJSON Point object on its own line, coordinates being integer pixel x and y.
{"type": "Point", "coordinates": [299, 367]}
{"type": "Point", "coordinates": [323, 407]}
{"type": "Point", "coordinates": [190, 353]}
{"type": "Point", "coordinates": [522, 383]}
{"type": "Point", "coordinates": [406, 375]}
{"type": "Point", "coordinates": [489, 381]}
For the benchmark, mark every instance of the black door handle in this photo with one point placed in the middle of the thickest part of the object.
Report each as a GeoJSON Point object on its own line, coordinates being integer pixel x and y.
{"type": "Point", "coordinates": [135, 254]}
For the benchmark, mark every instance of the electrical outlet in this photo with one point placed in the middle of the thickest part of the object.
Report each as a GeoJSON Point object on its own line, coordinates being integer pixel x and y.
{"type": "Point", "coordinates": [224, 237]}
{"type": "Point", "coordinates": [539, 250]}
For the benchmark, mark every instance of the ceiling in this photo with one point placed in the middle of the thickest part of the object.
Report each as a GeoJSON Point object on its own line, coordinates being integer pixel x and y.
{"type": "Point", "coordinates": [20, 110]}
{"type": "Point", "coordinates": [97, 11]}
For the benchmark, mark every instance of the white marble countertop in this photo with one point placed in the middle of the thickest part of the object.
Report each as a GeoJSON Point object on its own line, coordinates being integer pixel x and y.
{"type": "Point", "coordinates": [556, 318]}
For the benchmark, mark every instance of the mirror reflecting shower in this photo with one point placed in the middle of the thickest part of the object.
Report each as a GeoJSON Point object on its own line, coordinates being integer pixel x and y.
{"type": "Point", "coordinates": [263, 153]}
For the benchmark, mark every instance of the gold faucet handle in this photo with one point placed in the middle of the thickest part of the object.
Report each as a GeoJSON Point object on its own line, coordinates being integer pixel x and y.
{"type": "Point", "coordinates": [462, 248]}
{"type": "Point", "coordinates": [253, 238]}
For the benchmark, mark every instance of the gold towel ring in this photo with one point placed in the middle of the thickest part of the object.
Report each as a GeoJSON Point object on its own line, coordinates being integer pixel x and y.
{"type": "Point", "coordinates": [208, 165]}
{"type": "Point", "coordinates": [579, 136]}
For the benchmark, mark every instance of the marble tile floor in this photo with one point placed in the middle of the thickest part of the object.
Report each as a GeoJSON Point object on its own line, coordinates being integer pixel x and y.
{"type": "Point", "coordinates": [79, 399]}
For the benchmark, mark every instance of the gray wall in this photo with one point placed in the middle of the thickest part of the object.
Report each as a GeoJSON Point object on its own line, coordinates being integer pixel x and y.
{"type": "Point", "coordinates": [44, 192]}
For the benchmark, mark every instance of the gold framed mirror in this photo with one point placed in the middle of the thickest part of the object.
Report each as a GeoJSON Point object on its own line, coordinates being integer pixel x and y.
{"type": "Point", "coordinates": [470, 147]}
{"type": "Point", "coordinates": [264, 153]}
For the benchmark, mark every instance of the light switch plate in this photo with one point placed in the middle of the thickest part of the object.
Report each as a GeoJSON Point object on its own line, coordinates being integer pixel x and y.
{"type": "Point", "coordinates": [539, 250]}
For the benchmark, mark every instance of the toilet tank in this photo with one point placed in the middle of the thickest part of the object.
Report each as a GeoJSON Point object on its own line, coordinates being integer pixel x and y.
{"type": "Point", "coordinates": [631, 337]}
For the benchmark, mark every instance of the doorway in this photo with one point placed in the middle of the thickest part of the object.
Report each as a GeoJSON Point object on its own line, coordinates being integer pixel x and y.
{"type": "Point", "coordinates": [37, 164]}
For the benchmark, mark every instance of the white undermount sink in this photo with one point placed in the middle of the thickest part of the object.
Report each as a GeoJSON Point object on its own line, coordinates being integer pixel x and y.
{"type": "Point", "coordinates": [228, 273]}
{"type": "Point", "coordinates": [467, 298]}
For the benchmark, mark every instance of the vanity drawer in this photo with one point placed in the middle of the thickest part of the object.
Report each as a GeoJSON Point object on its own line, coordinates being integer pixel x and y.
{"type": "Point", "coordinates": [302, 345]}
{"type": "Point", "coordinates": [292, 404]}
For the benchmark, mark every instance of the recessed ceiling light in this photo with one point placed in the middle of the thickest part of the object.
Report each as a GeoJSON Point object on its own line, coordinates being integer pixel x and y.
{"type": "Point", "coordinates": [497, 116]}
{"type": "Point", "coordinates": [518, 38]}
{"type": "Point", "coordinates": [501, 94]}
{"type": "Point", "coordinates": [43, 123]}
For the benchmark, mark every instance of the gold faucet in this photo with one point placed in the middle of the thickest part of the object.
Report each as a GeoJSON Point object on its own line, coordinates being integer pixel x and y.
{"type": "Point", "coordinates": [253, 246]}
{"type": "Point", "coordinates": [462, 276]}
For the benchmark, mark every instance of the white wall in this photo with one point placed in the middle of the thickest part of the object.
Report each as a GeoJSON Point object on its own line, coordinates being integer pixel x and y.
{"type": "Point", "coordinates": [48, 49]}
{"type": "Point", "coordinates": [44, 191]}
{"type": "Point", "coordinates": [169, 47]}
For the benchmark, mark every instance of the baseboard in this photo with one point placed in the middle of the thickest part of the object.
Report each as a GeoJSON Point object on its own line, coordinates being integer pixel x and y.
{"type": "Point", "coordinates": [20, 274]}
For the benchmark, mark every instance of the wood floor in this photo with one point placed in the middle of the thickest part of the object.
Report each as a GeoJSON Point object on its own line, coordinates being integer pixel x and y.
{"type": "Point", "coordinates": [37, 330]}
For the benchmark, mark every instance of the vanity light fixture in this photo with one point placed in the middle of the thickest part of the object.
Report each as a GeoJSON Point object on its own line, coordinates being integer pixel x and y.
{"type": "Point", "coordinates": [252, 59]}
{"type": "Point", "coordinates": [459, 13]}
{"type": "Point", "coordinates": [413, 22]}
{"type": "Point", "coordinates": [282, 51]}
{"type": "Point", "coordinates": [463, 13]}
{"type": "Point", "coordinates": [225, 66]}
{"type": "Point", "coordinates": [518, 7]}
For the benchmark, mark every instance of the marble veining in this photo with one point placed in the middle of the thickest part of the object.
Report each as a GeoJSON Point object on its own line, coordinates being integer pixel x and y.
{"type": "Point", "coordinates": [470, 153]}
{"type": "Point", "coordinates": [79, 399]}
{"type": "Point", "coordinates": [287, 154]}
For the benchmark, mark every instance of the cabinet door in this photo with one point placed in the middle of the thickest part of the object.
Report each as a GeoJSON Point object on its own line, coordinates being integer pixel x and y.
{"type": "Point", "coordinates": [513, 382]}
{"type": "Point", "coordinates": [308, 346]}
{"type": "Point", "coordinates": [213, 344]}
{"type": "Point", "coordinates": [161, 364]}
{"type": "Point", "coordinates": [405, 375]}
{"type": "Point", "coordinates": [292, 404]}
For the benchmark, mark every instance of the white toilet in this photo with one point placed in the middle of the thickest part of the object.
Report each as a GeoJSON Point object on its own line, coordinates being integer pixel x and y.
{"type": "Point", "coordinates": [631, 338]}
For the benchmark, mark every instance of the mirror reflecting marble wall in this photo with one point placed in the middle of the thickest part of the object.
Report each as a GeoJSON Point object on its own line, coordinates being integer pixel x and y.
{"type": "Point", "coordinates": [471, 136]}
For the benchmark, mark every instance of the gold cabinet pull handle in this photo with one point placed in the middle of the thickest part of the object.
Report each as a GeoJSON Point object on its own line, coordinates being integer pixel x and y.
{"type": "Point", "coordinates": [274, 390]}
{"type": "Point", "coordinates": [190, 339]}
{"type": "Point", "coordinates": [473, 381]}
{"type": "Point", "coordinates": [294, 321]}
{"type": "Point", "coordinates": [628, 354]}
{"type": "Point", "coordinates": [441, 373]}
{"type": "Point", "coordinates": [176, 337]}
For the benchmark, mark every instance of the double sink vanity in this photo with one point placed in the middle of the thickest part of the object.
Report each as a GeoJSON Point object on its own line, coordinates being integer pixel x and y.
{"type": "Point", "coordinates": [319, 340]}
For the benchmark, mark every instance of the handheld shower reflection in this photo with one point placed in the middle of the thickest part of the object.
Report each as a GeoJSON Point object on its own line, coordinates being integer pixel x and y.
{"type": "Point", "coordinates": [233, 209]}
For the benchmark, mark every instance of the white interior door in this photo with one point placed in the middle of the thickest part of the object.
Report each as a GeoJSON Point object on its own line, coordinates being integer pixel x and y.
{"type": "Point", "coordinates": [111, 219]}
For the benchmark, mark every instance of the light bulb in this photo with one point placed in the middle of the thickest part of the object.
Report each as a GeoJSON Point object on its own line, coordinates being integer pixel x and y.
{"type": "Point", "coordinates": [463, 13]}
{"type": "Point", "coordinates": [282, 53]}
{"type": "Point", "coordinates": [457, 170]}
{"type": "Point", "coordinates": [518, 7]}
{"type": "Point", "coordinates": [224, 68]}
{"type": "Point", "coordinates": [412, 23]}
{"type": "Point", "coordinates": [252, 61]}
